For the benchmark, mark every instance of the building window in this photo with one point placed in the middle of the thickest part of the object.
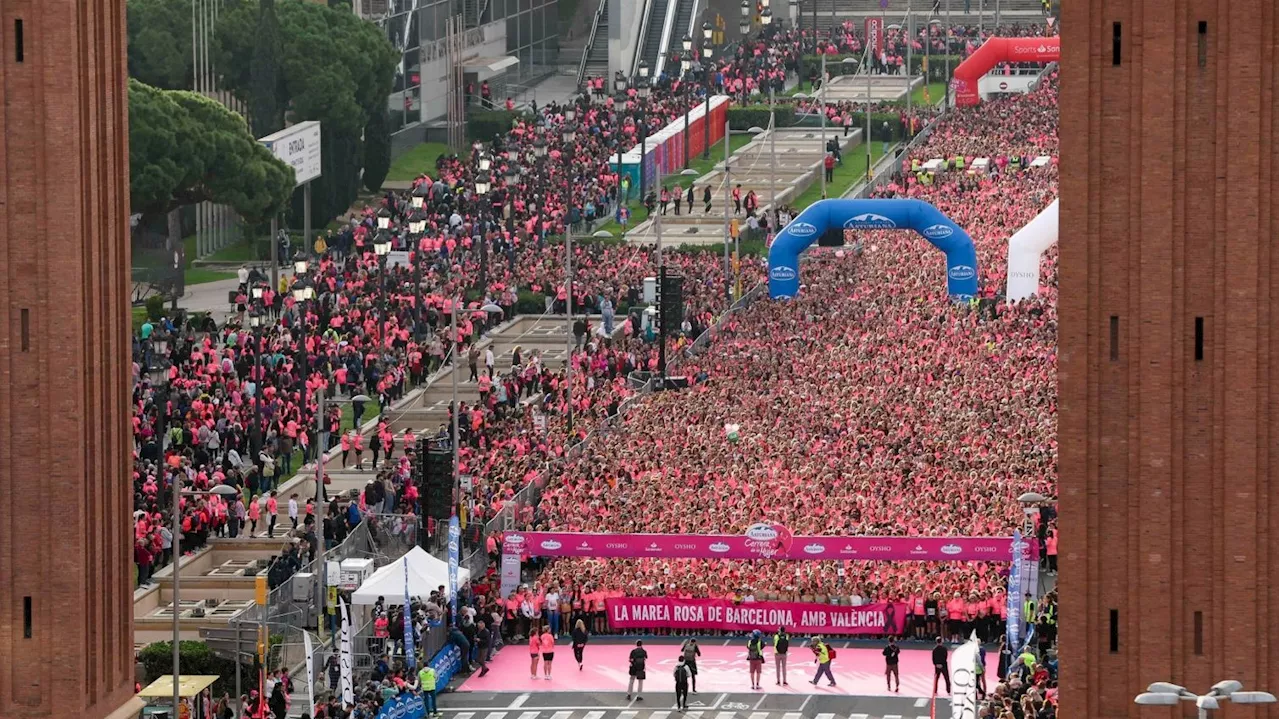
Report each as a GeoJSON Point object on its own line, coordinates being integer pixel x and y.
{"type": "Point", "coordinates": [1199, 338]}
{"type": "Point", "coordinates": [1202, 43]}
{"type": "Point", "coordinates": [1115, 337]}
{"type": "Point", "coordinates": [1115, 631]}
{"type": "Point", "coordinates": [1115, 43]}
{"type": "Point", "coordinates": [19, 52]}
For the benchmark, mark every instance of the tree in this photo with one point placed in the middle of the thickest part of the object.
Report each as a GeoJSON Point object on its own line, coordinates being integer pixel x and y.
{"type": "Point", "coordinates": [185, 148]}
{"type": "Point", "coordinates": [335, 68]}
{"type": "Point", "coordinates": [377, 151]}
{"type": "Point", "coordinates": [266, 91]}
{"type": "Point", "coordinates": [159, 35]}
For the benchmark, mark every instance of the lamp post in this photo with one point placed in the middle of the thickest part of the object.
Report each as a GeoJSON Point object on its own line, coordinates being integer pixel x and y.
{"type": "Point", "coordinates": [686, 64]}
{"type": "Point", "coordinates": [744, 19]}
{"type": "Point", "coordinates": [642, 89]}
{"type": "Point", "coordinates": [417, 225]}
{"type": "Point", "coordinates": [708, 32]}
{"type": "Point", "coordinates": [620, 90]}
{"type": "Point", "coordinates": [418, 197]}
{"type": "Point", "coordinates": [1168, 694]}
{"type": "Point", "coordinates": [381, 248]}
{"type": "Point", "coordinates": [568, 133]}
{"type": "Point", "coordinates": [483, 182]}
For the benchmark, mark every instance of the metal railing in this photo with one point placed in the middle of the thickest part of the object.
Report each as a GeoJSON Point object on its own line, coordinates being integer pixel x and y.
{"type": "Point", "coordinates": [591, 41]}
{"type": "Point", "coordinates": [887, 172]}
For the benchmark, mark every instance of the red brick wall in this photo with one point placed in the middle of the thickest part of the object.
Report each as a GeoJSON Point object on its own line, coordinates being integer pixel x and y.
{"type": "Point", "coordinates": [1168, 463]}
{"type": "Point", "coordinates": [65, 494]}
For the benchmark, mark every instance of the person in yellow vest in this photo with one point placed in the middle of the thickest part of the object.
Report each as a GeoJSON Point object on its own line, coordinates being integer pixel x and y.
{"type": "Point", "coordinates": [427, 685]}
{"type": "Point", "coordinates": [959, 162]}
{"type": "Point", "coordinates": [320, 246]}
{"type": "Point", "coordinates": [822, 655]}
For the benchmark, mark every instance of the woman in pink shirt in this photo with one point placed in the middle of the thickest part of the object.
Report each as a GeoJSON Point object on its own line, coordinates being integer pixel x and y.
{"type": "Point", "coordinates": [254, 512]}
{"type": "Point", "coordinates": [535, 649]}
{"type": "Point", "coordinates": [548, 644]}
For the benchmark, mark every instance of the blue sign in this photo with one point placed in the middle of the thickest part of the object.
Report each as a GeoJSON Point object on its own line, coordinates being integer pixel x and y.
{"type": "Point", "coordinates": [455, 542]}
{"type": "Point", "coordinates": [446, 662]}
{"type": "Point", "coordinates": [916, 215]}
{"type": "Point", "coordinates": [405, 706]}
{"type": "Point", "coordinates": [1013, 595]}
{"type": "Point", "coordinates": [410, 657]}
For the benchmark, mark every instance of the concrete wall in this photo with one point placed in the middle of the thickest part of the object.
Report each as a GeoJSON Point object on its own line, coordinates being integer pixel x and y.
{"type": "Point", "coordinates": [485, 41]}
{"type": "Point", "coordinates": [624, 36]}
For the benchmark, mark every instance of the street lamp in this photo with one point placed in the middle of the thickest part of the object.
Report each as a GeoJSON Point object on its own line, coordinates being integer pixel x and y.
{"type": "Point", "coordinates": [568, 133]}
{"type": "Point", "coordinates": [382, 248]}
{"type": "Point", "coordinates": [1168, 694]}
{"type": "Point", "coordinates": [484, 161]}
{"type": "Point", "coordinates": [570, 114]}
{"type": "Point", "coordinates": [419, 196]}
{"type": "Point", "coordinates": [708, 32]}
{"type": "Point", "coordinates": [744, 24]}
{"type": "Point", "coordinates": [483, 182]}
{"type": "Point", "coordinates": [539, 148]}
{"type": "Point", "coordinates": [384, 219]}
{"type": "Point", "coordinates": [795, 12]}
{"type": "Point", "coordinates": [300, 264]}
{"type": "Point", "coordinates": [619, 85]}
{"type": "Point", "coordinates": [766, 18]}
{"type": "Point", "coordinates": [686, 42]}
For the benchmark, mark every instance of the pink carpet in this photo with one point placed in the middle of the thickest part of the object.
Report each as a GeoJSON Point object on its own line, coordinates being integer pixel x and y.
{"type": "Point", "coordinates": [858, 672]}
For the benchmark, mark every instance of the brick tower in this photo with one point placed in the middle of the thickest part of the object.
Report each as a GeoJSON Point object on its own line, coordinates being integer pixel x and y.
{"type": "Point", "coordinates": [66, 609]}
{"type": "Point", "coordinates": [1167, 375]}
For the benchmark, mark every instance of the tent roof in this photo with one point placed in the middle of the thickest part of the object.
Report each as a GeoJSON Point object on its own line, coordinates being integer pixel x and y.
{"type": "Point", "coordinates": [426, 573]}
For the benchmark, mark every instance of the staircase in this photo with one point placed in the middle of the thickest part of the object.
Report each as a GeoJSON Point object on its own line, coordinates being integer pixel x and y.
{"type": "Point", "coordinates": [684, 11]}
{"type": "Point", "coordinates": [653, 35]}
{"type": "Point", "coordinates": [598, 53]}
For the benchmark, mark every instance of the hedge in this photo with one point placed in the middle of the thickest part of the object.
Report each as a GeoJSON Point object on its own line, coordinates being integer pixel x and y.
{"type": "Point", "coordinates": [836, 66]}
{"type": "Point", "coordinates": [749, 116]}
{"type": "Point", "coordinates": [878, 119]}
{"type": "Point", "coordinates": [194, 658]}
{"type": "Point", "coordinates": [484, 125]}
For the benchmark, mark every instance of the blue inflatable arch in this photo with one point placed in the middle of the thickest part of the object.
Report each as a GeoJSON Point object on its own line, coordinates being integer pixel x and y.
{"type": "Point", "coordinates": [925, 219]}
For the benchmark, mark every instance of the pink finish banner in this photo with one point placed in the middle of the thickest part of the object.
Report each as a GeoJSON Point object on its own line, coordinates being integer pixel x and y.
{"type": "Point", "coordinates": [797, 617]}
{"type": "Point", "coordinates": [762, 541]}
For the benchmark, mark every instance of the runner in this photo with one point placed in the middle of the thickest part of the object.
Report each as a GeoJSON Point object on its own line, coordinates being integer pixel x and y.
{"type": "Point", "coordinates": [548, 641]}
{"type": "Point", "coordinates": [535, 650]}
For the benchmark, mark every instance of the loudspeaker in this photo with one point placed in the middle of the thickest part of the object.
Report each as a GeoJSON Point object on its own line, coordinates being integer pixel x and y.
{"type": "Point", "coordinates": [671, 301]}
{"type": "Point", "coordinates": [435, 487]}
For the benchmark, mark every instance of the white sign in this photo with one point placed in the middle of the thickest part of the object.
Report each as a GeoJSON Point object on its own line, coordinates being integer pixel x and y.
{"type": "Point", "coordinates": [298, 147]}
{"type": "Point", "coordinates": [398, 257]}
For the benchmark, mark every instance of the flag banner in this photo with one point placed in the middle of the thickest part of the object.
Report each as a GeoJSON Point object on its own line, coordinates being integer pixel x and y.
{"type": "Point", "coordinates": [724, 614]}
{"type": "Point", "coordinates": [410, 657]}
{"type": "Point", "coordinates": [347, 679]}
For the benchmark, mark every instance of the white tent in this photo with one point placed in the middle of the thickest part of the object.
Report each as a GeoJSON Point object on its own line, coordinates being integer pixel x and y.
{"type": "Point", "coordinates": [1025, 247]}
{"type": "Point", "coordinates": [426, 573]}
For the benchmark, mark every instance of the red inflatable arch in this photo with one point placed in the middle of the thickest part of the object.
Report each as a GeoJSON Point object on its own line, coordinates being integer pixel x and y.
{"type": "Point", "coordinates": [964, 82]}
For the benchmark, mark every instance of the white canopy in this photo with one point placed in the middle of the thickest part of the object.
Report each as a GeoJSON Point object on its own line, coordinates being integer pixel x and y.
{"type": "Point", "coordinates": [426, 573]}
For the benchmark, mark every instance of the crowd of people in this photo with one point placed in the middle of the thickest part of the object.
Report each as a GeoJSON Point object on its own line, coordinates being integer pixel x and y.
{"type": "Point", "coordinates": [869, 405]}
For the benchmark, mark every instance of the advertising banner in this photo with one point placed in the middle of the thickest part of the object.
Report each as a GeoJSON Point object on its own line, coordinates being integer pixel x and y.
{"type": "Point", "coordinates": [761, 541]}
{"type": "Point", "coordinates": [410, 657]}
{"type": "Point", "coordinates": [1013, 597]}
{"type": "Point", "coordinates": [455, 549]}
{"type": "Point", "coordinates": [347, 664]}
{"type": "Point", "coordinates": [298, 146]}
{"type": "Point", "coordinates": [311, 669]}
{"type": "Point", "coordinates": [873, 27]}
{"type": "Point", "coordinates": [409, 705]}
{"type": "Point", "coordinates": [964, 680]}
{"type": "Point", "coordinates": [724, 614]}
{"type": "Point", "coordinates": [446, 662]}
{"type": "Point", "coordinates": [510, 569]}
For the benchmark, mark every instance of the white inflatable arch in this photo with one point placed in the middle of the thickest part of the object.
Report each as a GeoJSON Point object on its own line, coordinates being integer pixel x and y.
{"type": "Point", "coordinates": [1025, 247]}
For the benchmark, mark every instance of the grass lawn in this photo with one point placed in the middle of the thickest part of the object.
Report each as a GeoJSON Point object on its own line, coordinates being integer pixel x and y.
{"type": "Point", "coordinates": [419, 159]}
{"type": "Point", "coordinates": [199, 276]}
{"type": "Point", "coordinates": [846, 175]}
{"type": "Point", "coordinates": [371, 410]}
{"type": "Point", "coordinates": [936, 92]}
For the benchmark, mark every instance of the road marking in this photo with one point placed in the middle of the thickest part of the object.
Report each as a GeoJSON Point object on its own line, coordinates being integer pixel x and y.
{"type": "Point", "coordinates": [858, 716]}
{"type": "Point", "coordinates": [892, 716]}
{"type": "Point", "coordinates": [826, 715]}
{"type": "Point", "coordinates": [725, 715]}
{"type": "Point", "coordinates": [519, 701]}
{"type": "Point", "coordinates": [759, 715]}
{"type": "Point", "coordinates": [805, 703]}
{"type": "Point", "coordinates": [594, 715]}
{"type": "Point", "coordinates": [655, 715]}
{"type": "Point", "coordinates": [628, 715]}
{"type": "Point", "coordinates": [796, 715]}
{"type": "Point", "coordinates": [759, 702]}
{"type": "Point", "coordinates": [464, 715]}
{"type": "Point", "coordinates": [562, 715]}
{"type": "Point", "coordinates": [922, 701]}
{"type": "Point", "coordinates": [720, 699]}
{"type": "Point", "coordinates": [694, 714]}
{"type": "Point", "coordinates": [529, 715]}
{"type": "Point", "coordinates": [923, 717]}
{"type": "Point", "coordinates": [496, 715]}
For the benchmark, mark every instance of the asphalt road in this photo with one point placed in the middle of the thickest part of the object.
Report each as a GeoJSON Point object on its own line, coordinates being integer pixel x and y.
{"type": "Point", "coordinates": [614, 705]}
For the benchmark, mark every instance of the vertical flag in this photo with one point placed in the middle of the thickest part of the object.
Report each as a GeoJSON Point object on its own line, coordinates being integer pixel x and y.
{"type": "Point", "coordinates": [410, 656]}
{"type": "Point", "coordinates": [455, 541]}
{"type": "Point", "coordinates": [311, 671]}
{"type": "Point", "coordinates": [347, 679]}
{"type": "Point", "coordinates": [964, 682]}
{"type": "Point", "coordinates": [1013, 595]}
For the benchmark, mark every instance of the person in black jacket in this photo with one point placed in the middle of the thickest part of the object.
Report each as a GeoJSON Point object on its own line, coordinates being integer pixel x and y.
{"type": "Point", "coordinates": [940, 666]}
{"type": "Point", "coordinates": [781, 643]}
{"type": "Point", "coordinates": [891, 652]}
{"type": "Point", "coordinates": [579, 636]}
{"type": "Point", "coordinates": [483, 638]}
{"type": "Point", "coordinates": [635, 671]}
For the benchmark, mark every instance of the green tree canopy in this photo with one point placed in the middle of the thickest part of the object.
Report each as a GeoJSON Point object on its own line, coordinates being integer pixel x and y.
{"type": "Point", "coordinates": [185, 148]}
{"type": "Point", "coordinates": [159, 34]}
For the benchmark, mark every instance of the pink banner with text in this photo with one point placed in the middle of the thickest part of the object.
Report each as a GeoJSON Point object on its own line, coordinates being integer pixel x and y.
{"type": "Point", "coordinates": [762, 541]}
{"type": "Point", "coordinates": [723, 614]}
